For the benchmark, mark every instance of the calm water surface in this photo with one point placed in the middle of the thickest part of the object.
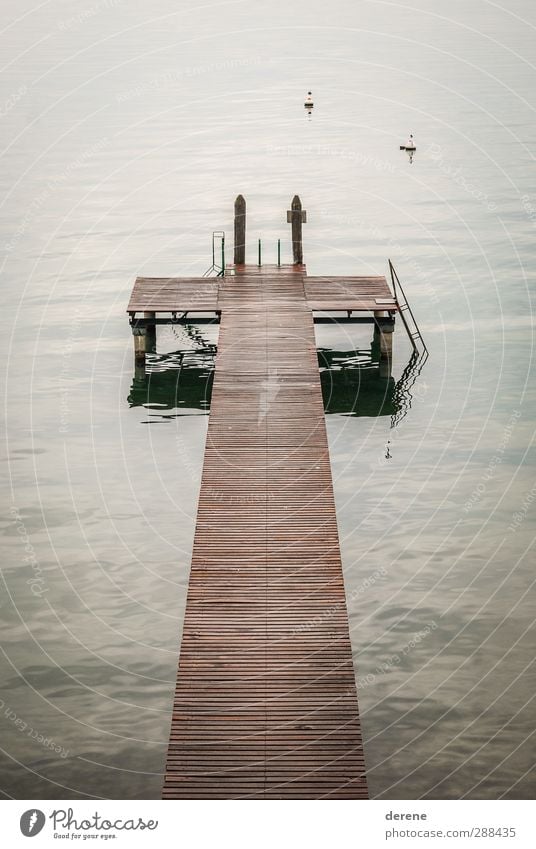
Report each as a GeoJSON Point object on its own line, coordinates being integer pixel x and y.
{"type": "Point", "coordinates": [127, 133]}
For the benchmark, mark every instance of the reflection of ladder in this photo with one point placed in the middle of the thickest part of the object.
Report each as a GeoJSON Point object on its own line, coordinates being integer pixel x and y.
{"type": "Point", "coordinates": [406, 313]}
{"type": "Point", "coordinates": [217, 269]}
{"type": "Point", "coordinates": [402, 396]}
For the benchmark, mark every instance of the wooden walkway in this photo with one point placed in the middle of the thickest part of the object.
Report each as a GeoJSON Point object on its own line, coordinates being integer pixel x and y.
{"type": "Point", "coordinates": [265, 703]}
{"type": "Point", "coordinates": [200, 294]}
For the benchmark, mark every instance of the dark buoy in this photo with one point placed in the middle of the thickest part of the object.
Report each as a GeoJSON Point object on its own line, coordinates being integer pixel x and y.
{"type": "Point", "coordinates": [410, 148]}
{"type": "Point", "coordinates": [309, 103]}
{"type": "Point", "coordinates": [410, 145]}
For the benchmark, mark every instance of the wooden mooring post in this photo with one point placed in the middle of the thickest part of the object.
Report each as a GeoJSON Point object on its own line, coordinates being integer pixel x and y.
{"type": "Point", "coordinates": [297, 216]}
{"type": "Point", "coordinates": [240, 231]}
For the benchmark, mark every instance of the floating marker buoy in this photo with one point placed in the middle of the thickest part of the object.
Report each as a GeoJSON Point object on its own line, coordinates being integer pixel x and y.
{"type": "Point", "coordinates": [309, 100]}
{"type": "Point", "coordinates": [410, 145]}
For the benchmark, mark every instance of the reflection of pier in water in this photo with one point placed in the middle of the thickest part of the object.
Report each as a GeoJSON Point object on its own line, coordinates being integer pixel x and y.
{"type": "Point", "coordinates": [352, 383]}
{"type": "Point", "coordinates": [403, 398]}
{"type": "Point", "coordinates": [182, 379]}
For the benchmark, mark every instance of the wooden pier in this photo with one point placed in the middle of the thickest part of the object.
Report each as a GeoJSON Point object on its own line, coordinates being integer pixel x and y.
{"type": "Point", "coordinates": [265, 703]}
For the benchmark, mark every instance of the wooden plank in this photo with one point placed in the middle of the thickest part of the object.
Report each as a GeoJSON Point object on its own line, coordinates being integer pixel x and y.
{"type": "Point", "coordinates": [265, 703]}
{"type": "Point", "coordinates": [169, 294]}
{"type": "Point", "coordinates": [201, 294]}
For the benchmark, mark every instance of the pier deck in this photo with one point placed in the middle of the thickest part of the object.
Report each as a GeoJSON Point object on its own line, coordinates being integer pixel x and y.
{"type": "Point", "coordinates": [265, 703]}
{"type": "Point", "coordinates": [201, 294]}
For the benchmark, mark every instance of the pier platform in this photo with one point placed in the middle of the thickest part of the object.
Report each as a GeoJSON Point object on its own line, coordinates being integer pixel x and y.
{"type": "Point", "coordinates": [265, 705]}
{"type": "Point", "coordinates": [196, 295]}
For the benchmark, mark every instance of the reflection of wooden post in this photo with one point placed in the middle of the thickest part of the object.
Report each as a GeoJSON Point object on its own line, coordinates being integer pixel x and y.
{"type": "Point", "coordinates": [240, 231]}
{"type": "Point", "coordinates": [296, 216]}
{"type": "Point", "coordinates": [150, 333]}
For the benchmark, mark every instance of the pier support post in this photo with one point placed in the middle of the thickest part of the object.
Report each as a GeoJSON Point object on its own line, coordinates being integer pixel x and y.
{"type": "Point", "coordinates": [297, 216]}
{"type": "Point", "coordinates": [240, 231]}
{"type": "Point", "coordinates": [375, 346]}
{"type": "Point", "coordinates": [386, 349]}
{"type": "Point", "coordinates": [150, 342]}
{"type": "Point", "coordinates": [140, 348]}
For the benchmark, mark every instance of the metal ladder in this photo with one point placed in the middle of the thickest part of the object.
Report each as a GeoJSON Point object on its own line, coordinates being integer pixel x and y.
{"type": "Point", "coordinates": [406, 313]}
{"type": "Point", "coordinates": [216, 270]}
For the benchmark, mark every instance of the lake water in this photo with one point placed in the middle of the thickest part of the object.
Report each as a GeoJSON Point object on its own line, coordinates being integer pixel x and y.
{"type": "Point", "coordinates": [128, 130]}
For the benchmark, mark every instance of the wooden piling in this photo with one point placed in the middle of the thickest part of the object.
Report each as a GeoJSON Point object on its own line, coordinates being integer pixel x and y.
{"type": "Point", "coordinates": [296, 216]}
{"type": "Point", "coordinates": [140, 345]}
{"type": "Point", "coordinates": [240, 231]}
{"type": "Point", "coordinates": [386, 342]}
{"type": "Point", "coordinates": [386, 350]}
{"type": "Point", "coordinates": [150, 341]}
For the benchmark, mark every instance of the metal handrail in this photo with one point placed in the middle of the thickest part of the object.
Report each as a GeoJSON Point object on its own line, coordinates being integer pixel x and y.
{"type": "Point", "coordinates": [218, 270]}
{"type": "Point", "coordinates": [222, 270]}
{"type": "Point", "coordinates": [395, 280]}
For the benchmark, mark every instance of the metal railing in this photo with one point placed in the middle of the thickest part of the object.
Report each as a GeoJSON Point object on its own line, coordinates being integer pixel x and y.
{"type": "Point", "coordinates": [217, 270]}
{"type": "Point", "coordinates": [259, 252]}
{"type": "Point", "coordinates": [218, 253]}
{"type": "Point", "coordinates": [412, 328]}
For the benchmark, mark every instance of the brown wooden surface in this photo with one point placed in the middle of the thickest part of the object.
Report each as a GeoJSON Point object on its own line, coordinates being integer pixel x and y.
{"type": "Point", "coordinates": [169, 294]}
{"type": "Point", "coordinates": [265, 703]}
{"type": "Point", "coordinates": [201, 294]}
{"type": "Point", "coordinates": [329, 294]}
